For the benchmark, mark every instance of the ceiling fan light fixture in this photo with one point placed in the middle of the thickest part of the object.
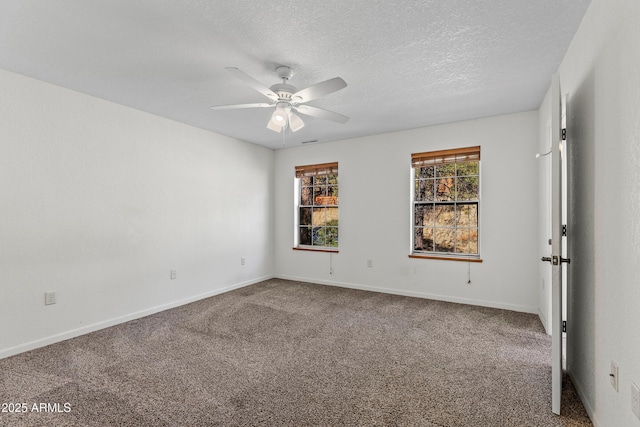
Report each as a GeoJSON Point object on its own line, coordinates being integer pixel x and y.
{"type": "Point", "coordinates": [295, 122]}
{"type": "Point", "coordinates": [281, 113]}
{"type": "Point", "coordinates": [274, 127]}
{"type": "Point", "coordinates": [278, 118]}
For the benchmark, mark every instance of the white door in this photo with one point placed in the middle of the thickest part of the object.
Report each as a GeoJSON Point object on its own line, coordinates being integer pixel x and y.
{"type": "Point", "coordinates": [556, 259]}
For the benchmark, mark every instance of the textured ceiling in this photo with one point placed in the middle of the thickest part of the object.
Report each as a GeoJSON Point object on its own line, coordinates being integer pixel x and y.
{"type": "Point", "coordinates": [408, 63]}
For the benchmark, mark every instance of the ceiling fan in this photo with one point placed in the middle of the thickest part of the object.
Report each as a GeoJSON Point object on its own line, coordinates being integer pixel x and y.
{"type": "Point", "coordinates": [287, 99]}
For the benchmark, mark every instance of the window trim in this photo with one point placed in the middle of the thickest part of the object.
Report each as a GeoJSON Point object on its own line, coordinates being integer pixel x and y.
{"type": "Point", "coordinates": [460, 257]}
{"type": "Point", "coordinates": [313, 171]}
{"type": "Point", "coordinates": [315, 249]}
{"type": "Point", "coordinates": [439, 157]}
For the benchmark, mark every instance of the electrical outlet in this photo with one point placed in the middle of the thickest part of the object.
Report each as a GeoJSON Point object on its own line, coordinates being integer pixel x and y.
{"type": "Point", "coordinates": [172, 274]}
{"type": "Point", "coordinates": [613, 375]}
{"type": "Point", "coordinates": [635, 399]}
{"type": "Point", "coordinates": [370, 263]}
{"type": "Point", "coordinates": [49, 298]}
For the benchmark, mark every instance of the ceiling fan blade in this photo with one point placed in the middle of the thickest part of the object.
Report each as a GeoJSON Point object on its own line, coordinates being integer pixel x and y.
{"type": "Point", "coordinates": [252, 82]}
{"type": "Point", "coordinates": [236, 106]}
{"type": "Point", "coordinates": [320, 89]}
{"type": "Point", "coordinates": [322, 113]}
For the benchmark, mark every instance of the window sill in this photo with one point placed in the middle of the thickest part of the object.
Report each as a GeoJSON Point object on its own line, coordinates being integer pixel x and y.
{"type": "Point", "coordinates": [445, 258]}
{"type": "Point", "coordinates": [333, 251]}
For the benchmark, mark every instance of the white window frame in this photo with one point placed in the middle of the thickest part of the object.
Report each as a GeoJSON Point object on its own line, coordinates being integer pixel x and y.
{"type": "Point", "coordinates": [450, 157]}
{"type": "Point", "coordinates": [314, 171]}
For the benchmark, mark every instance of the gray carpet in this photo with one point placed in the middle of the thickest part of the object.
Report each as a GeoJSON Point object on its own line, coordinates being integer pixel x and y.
{"type": "Point", "coordinates": [294, 354]}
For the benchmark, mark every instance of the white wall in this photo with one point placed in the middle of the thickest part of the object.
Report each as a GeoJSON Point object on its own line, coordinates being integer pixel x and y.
{"type": "Point", "coordinates": [375, 215]}
{"type": "Point", "coordinates": [99, 202]}
{"type": "Point", "coordinates": [601, 73]}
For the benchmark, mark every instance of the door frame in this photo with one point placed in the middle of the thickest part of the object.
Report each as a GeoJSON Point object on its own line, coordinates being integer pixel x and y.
{"type": "Point", "coordinates": [557, 241]}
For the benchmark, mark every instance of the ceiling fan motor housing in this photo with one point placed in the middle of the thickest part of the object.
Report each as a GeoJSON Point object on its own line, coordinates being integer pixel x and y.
{"type": "Point", "coordinates": [283, 90]}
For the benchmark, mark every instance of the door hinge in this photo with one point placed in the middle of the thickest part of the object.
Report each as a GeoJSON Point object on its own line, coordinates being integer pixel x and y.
{"type": "Point", "coordinates": [564, 230]}
{"type": "Point", "coordinates": [564, 134]}
{"type": "Point", "coordinates": [564, 326]}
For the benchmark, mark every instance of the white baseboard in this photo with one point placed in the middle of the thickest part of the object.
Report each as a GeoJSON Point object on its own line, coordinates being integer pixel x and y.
{"type": "Point", "coordinates": [21, 348]}
{"type": "Point", "coordinates": [587, 405]}
{"type": "Point", "coordinates": [468, 301]}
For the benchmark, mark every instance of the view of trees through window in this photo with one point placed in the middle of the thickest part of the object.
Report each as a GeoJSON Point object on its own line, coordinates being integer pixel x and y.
{"type": "Point", "coordinates": [445, 206]}
{"type": "Point", "coordinates": [318, 216]}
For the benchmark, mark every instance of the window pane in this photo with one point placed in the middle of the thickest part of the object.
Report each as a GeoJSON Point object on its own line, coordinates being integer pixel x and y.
{"type": "Point", "coordinates": [424, 215]}
{"type": "Point", "coordinates": [306, 196]}
{"type": "Point", "coordinates": [305, 216]}
{"type": "Point", "coordinates": [331, 216]}
{"type": "Point", "coordinates": [473, 241]}
{"type": "Point", "coordinates": [467, 216]}
{"type": "Point", "coordinates": [319, 195]}
{"type": "Point", "coordinates": [468, 188]}
{"type": "Point", "coordinates": [462, 240]}
{"type": "Point", "coordinates": [427, 172]}
{"type": "Point", "coordinates": [424, 189]}
{"type": "Point", "coordinates": [333, 195]}
{"type": "Point", "coordinates": [445, 239]}
{"type": "Point", "coordinates": [318, 217]}
{"type": "Point", "coordinates": [318, 236]}
{"type": "Point", "coordinates": [467, 168]}
{"type": "Point", "coordinates": [445, 189]}
{"type": "Point", "coordinates": [448, 169]}
{"type": "Point", "coordinates": [331, 236]}
{"type": "Point", "coordinates": [423, 239]}
{"type": "Point", "coordinates": [332, 179]}
{"type": "Point", "coordinates": [445, 215]}
{"type": "Point", "coordinates": [306, 181]}
{"type": "Point", "coordinates": [467, 241]}
{"type": "Point", "coordinates": [320, 180]}
{"type": "Point", "coordinates": [305, 236]}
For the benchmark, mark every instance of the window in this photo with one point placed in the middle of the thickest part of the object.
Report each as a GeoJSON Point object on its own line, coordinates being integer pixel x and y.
{"type": "Point", "coordinates": [446, 202]}
{"type": "Point", "coordinates": [317, 206]}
